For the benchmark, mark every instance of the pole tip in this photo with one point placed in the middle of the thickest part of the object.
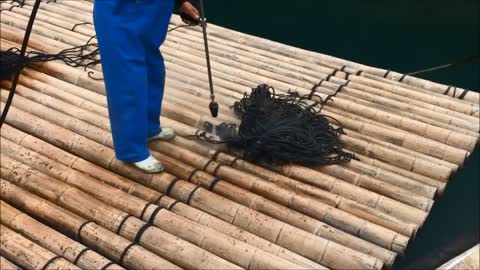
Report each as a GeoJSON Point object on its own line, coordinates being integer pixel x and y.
{"type": "Point", "coordinates": [213, 108]}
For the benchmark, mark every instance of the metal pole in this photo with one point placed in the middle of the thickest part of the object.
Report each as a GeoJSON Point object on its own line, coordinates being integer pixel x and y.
{"type": "Point", "coordinates": [203, 20]}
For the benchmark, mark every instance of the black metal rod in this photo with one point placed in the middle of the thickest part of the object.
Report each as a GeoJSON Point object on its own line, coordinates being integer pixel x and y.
{"type": "Point", "coordinates": [203, 21]}
{"type": "Point", "coordinates": [26, 38]}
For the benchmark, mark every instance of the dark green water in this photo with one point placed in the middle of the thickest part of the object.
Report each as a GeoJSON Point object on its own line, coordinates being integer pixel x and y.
{"type": "Point", "coordinates": [399, 35]}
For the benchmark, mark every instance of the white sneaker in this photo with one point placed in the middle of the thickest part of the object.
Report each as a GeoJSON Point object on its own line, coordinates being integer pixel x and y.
{"type": "Point", "coordinates": [166, 134]}
{"type": "Point", "coordinates": [149, 165]}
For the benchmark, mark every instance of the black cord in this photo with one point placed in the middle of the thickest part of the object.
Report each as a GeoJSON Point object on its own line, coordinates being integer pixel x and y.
{"type": "Point", "coordinates": [467, 59]}
{"type": "Point", "coordinates": [22, 54]}
{"type": "Point", "coordinates": [281, 129]}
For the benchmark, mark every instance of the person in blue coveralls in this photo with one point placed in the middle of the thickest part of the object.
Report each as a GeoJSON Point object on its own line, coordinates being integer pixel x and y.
{"type": "Point", "coordinates": [129, 34]}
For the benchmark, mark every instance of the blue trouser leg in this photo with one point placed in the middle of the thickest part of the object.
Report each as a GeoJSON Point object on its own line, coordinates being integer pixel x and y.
{"type": "Point", "coordinates": [134, 94]}
{"type": "Point", "coordinates": [156, 65]}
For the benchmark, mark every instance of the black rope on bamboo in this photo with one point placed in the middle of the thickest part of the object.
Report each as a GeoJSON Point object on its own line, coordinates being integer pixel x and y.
{"type": "Point", "coordinates": [314, 89]}
{"type": "Point", "coordinates": [215, 171]}
{"type": "Point", "coordinates": [80, 255]}
{"type": "Point", "coordinates": [282, 129]}
{"type": "Point", "coordinates": [144, 210]}
{"type": "Point", "coordinates": [189, 179]}
{"type": "Point", "coordinates": [339, 89]}
{"type": "Point", "coordinates": [78, 24]}
{"type": "Point", "coordinates": [386, 74]}
{"type": "Point", "coordinates": [141, 231]}
{"type": "Point", "coordinates": [172, 205]}
{"type": "Point", "coordinates": [122, 256]}
{"type": "Point", "coordinates": [402, 77]}
{"type": "Point", "coordinates": [122, 223]}
{"type": "Point", "coordinates": [154, 214]}
{"type": "Point", "coordinates": [212, 158]}
{"type": "Point", "coordinates": [463, 94]}
{"type": "Point", "coordinates": [107, 265]}
{"type": "Point", "coordinates": [233, 161]}
{"type": "Point", "coordinates": [191, 194]}
{"type": "Point", "coordinates": [213, 183]}
{"type": "Point", "coordinates": [50, 262]}
{"type": "Point", "coordinates": [159, 199]}
{"type": "Point", "coordinates": [79, 232]}
{"type": "Point", "coordinates": [170, 186]}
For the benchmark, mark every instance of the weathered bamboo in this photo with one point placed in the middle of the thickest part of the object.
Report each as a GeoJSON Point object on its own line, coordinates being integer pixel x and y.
{"type": "Point", "coordinates": [307, 175]}
{"type": "Point", "coordinates": [174, 249]}
{"type": "Point", "coordinates": [447, 136]}
{"type": "Point", "coordinates": [92, 235]}
{"type": "Point", "coordinates": [52, 240]}
{"type": "Point", "coordinates": [292, 67]}
{"type": "Point", "coordinates": [106, 124]}
{"type": "Point", "coordinates": [7, 265]}
{"type": "Point", "coordinates": [289, 51]}
{"type": "Point", "coordinates": [89, 150]}
{"type": "Point", "coordinates": [415, 163]}
{"type": "Point", "coordinates": [417, 187]}
{"type": "Point", "coordinates": [28, 254]}
{"type": "Point", "coordinates": [73, 112]}
{"type": "Point", "coordinates": [333, 216]}
{"type": "Point", "coordinates": [234, 59]}
{"type": "Point", "coordinates": [226, 247]}
{"type": "Point", "coordinates": [127, 185]}
{"type": "Point", "coordinates": [52, 18]}
{"type": "Point", "coordinates": [195, 119]}
{"type": "Point", "coordinates": [337, 171]}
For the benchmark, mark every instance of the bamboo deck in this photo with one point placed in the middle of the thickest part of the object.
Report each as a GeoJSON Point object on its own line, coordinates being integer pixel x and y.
{"type": "Point", "coordinates": [68, 203]}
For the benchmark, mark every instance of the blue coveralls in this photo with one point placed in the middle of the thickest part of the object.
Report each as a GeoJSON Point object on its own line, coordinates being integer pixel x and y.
{"type": "Point", "coordinates": [129, 34]}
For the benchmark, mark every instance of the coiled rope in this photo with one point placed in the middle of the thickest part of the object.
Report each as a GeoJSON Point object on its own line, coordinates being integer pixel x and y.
{"type": "Point", "coordinates": [279, 129]}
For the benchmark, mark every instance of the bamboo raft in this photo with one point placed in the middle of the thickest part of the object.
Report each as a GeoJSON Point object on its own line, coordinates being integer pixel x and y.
{"type": "Point", "coordinates": [67, 203]}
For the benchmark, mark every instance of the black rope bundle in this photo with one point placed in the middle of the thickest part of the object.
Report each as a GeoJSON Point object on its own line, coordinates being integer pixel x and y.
{"type": "Point", "coordinates": [11, 60]}
{"type": "Point", "coordinates": [281, 129]}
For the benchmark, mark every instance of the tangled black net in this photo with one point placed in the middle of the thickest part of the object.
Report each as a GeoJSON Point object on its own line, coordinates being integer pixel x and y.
{"type": "Point", "coordinates": [81, 56]}
{"type": "Point", "coordinates": [280, 129]}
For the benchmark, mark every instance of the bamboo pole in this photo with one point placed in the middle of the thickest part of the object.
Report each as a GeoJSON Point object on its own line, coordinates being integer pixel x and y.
{"type": "Point", "coordinates": [53, 19]}
{"type": "Point", "coordinates": [302, 203]}
{"type": "Point", "coordinates": [94, 236]}
{"type": "Point", "coordinates": [7, 265]}
{"type": "Point", "coordinates": [147, 194]}
{"type": "Point", "coordinates": [346, 172]}
{"type": "Point", "coordinates": [291, 67]}
{"type": "Point", "coordinates": [62, 10]}
{"type": "Point", "coordinates": [313, 57]}
{"type": "Point", "coordinates": [174, 249]}
{"type": "Point", "coordinates": [218, 206]}
{"type": "Point", "coordinates": [196, 101]}
{"type": "Point", "coordinates": [194, 119]}
{"type": "Point", "coordinates": [66, 107]}
{"type": "Point", "coordinates": [204, 237]}
{"type": "Point", "coordinates": [447, 136]}
{"type": "Point", "coordinates": [28, 254]}
{"type": "Point", "coordinates": [233, 60]}
{"type": "Point", "coordinates": [328, 183]}
{"type": "Point", "coordinates": [52, 240]}
{"type": "Point", "coordinates": [258, 259]}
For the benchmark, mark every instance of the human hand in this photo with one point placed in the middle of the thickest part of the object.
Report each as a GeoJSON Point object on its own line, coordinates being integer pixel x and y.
{"type": "Point", "coordinates": [192, 15]}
